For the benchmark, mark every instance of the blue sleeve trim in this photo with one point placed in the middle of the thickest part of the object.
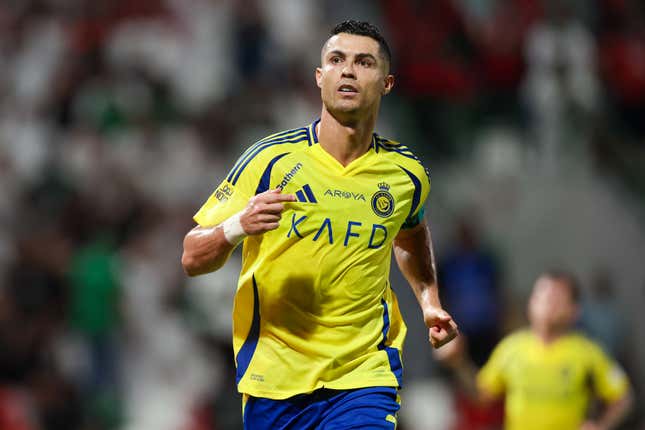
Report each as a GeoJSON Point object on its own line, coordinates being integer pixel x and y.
{"type": "Point", "coordinates": [265, 180]}
{"type": "Point", "coordinates": [245, 354]}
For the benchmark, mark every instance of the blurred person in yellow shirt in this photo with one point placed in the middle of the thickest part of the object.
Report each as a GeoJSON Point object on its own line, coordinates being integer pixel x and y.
{"type": "Point", "coordinates": [547, 373]}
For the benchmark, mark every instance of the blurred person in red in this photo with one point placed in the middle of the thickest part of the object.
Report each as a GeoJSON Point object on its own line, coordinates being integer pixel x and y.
{"type": "Point", "coordinates": [547, 373]}
{"type": "Point", "coordinates": [435, 67]}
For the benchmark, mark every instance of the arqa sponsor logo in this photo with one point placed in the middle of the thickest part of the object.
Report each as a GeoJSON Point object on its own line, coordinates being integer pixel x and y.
{"type": "Point", "coordinates": [342, 194]}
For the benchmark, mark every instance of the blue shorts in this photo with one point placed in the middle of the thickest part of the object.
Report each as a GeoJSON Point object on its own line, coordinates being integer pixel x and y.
{"type": "Point", "coordinates": [362, 408]}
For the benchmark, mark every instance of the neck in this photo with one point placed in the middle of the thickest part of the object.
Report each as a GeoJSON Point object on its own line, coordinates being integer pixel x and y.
{"type": "Point", "coordinates": [345, 141]}
{"type": "Point", "coordinates": [548, 335]}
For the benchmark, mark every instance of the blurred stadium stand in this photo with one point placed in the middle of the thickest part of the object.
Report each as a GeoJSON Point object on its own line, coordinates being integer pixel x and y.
{"type": "Point", "coordinates": [118, 118]}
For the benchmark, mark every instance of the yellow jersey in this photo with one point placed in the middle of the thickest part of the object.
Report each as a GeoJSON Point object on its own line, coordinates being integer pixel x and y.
{"type": "Point", "coordinates": [313, 306]}
{"type": "Point", "coordinates": [548, 386]}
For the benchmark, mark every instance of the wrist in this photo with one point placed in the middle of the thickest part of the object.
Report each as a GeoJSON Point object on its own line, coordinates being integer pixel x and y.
{"type": "Point", "coordinates": [233, 230]}
{"type": "Point", "coordinates": [430, 298]}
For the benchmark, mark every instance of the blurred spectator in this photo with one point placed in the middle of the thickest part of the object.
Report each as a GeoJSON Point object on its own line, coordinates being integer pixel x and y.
{"type": "Point", "coordinates": [499, 31]}
{"type": "Point", "coordinates": [470, 289]}
{"type": "Point", "coordinates": [94, 312]}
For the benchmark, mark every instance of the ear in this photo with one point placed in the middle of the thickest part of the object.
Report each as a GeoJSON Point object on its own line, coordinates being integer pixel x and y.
{"type": "Point", "coordinates": [319, 77]}
{"type": "Point", "coordinates": [388, 84]}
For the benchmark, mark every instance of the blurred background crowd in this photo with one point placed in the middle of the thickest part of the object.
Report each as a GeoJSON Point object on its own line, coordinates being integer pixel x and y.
{"type": "Point", "coordinates": [119, 117]}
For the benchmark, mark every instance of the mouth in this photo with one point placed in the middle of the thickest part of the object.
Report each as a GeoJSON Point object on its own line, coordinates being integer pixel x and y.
{"type": "Point", "coordinates": [347, 89]}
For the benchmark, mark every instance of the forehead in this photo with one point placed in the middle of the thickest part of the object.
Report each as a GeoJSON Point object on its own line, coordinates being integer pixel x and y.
{"type": "Point", "coordinates": [549, 286]}
{"type": "Point", "coordinates": [351, 44]}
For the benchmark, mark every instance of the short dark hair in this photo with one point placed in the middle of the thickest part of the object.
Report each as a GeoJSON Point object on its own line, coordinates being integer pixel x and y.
{"type": "Point", "coordinates": [567, 278]}
{"type": "Point", "coordinates": [364, 28]}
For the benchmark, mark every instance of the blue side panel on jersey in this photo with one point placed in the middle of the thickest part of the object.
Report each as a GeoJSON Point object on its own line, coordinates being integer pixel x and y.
{"type": "Point", "coordinates": [310, 194]}
{"type": "Point", "coordinates": [301, 196]}
{"type": "Point", "coordinates": [265, 180]}
{"type": "Point", "coordinates": [392, 353]}
{"type": "Point", "coordinates": [244, 355]}
{"type": "Point", "coordinates": [259, 147]}
{"type": "Point", "coordinates": [417, 190]}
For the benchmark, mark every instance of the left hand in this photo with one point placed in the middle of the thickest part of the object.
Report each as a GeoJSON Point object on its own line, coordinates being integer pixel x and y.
{"type": "Point", "coordinates": [441, 328]}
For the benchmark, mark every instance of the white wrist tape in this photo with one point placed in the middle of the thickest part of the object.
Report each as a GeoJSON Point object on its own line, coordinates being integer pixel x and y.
{"type": "Point", "coordinates": [233, 230]}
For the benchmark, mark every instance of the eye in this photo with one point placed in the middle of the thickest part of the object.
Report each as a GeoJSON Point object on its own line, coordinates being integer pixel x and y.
{"type": "Point", "coordinates": [335, 60]}
{"type": "Point", "coordinates": [365, 62]}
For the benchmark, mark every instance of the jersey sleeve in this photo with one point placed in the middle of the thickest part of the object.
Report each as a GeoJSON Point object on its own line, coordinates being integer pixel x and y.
{"type": "Point", "coordinates": [225, 201]}
{"type": "Point", "coordinates": [609, 379]}
{"type": "Point", "coordinates": [421, 179]}
{"type": "Point", "coordinates": [234, 192]}
{"type": "Point", "coordinates": [491, 379]}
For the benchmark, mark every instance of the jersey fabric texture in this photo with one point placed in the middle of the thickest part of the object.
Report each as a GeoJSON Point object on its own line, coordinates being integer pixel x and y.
{"type": "Point", "coordinates": [314, 308]}
{"type": "Point", "coordinates": [365, 408]}
{"type": "Point", "coordinates": [549, 386]}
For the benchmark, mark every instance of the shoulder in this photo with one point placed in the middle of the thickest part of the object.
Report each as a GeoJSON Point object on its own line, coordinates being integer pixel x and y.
{"type": "Point", "coordinates": [517, 339]}
{"type": "Point", "coordinates": [403, 156]}
{"type": "Point", "coordinates": [581, 343]}
{"type": "Point", "coordinates": [269, 149]}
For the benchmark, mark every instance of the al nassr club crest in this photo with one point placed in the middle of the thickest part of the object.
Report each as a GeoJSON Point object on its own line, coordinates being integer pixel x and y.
{"type": "Point", "coordinates": [382, 201]}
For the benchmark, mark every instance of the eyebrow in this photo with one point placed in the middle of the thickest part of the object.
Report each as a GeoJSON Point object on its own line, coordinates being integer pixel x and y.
{"type": "Point", "coordinates": [358, 56]}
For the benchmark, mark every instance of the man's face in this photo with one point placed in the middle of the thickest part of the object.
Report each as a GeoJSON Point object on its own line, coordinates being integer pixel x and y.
{"type": "Point", "coordinates": [353, 76]}
{"type": "Point", "coordinates": [551, 305]}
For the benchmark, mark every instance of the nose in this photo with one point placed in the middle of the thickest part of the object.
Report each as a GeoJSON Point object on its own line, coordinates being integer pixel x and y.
{"type": "Point", "coordinates": [348, 71]}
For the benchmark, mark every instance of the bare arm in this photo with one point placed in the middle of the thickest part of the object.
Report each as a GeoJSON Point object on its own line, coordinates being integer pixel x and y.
{"type": "Point", "coordinates": [206, 249]}
{"type": "Point", "coordinates": [455, 356]}
{"type": "Point", "coordinates": [613, 415]}
{"type": "Point", "coordinates": [413, 253]}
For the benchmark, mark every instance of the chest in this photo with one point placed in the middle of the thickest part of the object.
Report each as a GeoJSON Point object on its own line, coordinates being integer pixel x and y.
{"type": "Point", "coordinates": [556, 375]}
{"type": "Point", "coordinates": [366, 205]}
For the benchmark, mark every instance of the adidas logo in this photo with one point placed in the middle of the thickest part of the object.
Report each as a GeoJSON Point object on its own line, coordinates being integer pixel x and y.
{"type": "Point", "coordinates": [306, 195]}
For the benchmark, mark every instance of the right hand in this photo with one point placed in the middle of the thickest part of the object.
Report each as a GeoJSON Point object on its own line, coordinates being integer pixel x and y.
{"type": "Point", "coordinates": [264, 210]}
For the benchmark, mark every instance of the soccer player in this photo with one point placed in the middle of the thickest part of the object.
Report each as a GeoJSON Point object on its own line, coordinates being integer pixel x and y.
{"type": "Point", "coordinates": [317, 330]}
{"type": "Point", "coordinates": [547, 373]}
